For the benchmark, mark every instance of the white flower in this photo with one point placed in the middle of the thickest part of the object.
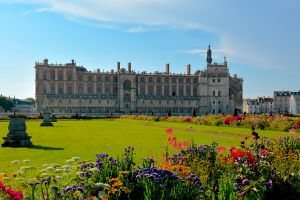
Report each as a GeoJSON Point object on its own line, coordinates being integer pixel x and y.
{"type": "Point", "coordinates": [26, 160]}
{"type": "Point", "coordinates": [15, 162]}
{"type": "Point", "coordinates": [102, 194]}
{"type": "Point", "coordinates": [44, 170]}
{"type": "Point", "coordinates": [57, 177]}
{"type": "Point", "coordinates": [45, 165]}
{"type": "Point", "coordinates": [59, 170]}
{"type": "Point", "coordinates": [95, 169]}
{"type": "Point", "coordinates": [69, 161]}
{"type": "Point", "coordinates": [50, 168]}
{"type": "Point", "coordinates": [67, 167]}
{"type": "Point", "coordinates": [104, 185]}
{"type": "Point", "coordinates": [75, 158]}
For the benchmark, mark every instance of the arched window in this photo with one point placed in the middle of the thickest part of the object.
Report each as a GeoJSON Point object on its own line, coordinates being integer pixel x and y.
{"type": "Point", "coordinates": [127, 85]}
{"type": "Point", "coordinates": [180, 80]}
{"type": "Point", "coordinates": [150, 79]}
{"type": "Point", "coordinates": [127, 97]}
{"type": "Point", "coordinates": [142, 89]}
{"type": "Point", "coordinates": [60, 76]}
{"type": "Point", "coordinates": [52, 75]}
{"type": "Point", "coordinates": [60, 89]}
{"type": "Point", "coordinates": [70, 76]}
{"type": "Point", "coordinates": [158, 79]}
{"type": "Point", "coordinates": [173, 80]}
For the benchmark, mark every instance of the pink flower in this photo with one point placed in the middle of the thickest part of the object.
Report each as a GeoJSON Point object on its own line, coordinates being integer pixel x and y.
{"type": "Point", "coordinates": [185, 144]}
{"type": "Point", "coordinates": [221, 149]}
{"type": "Point", "coordinates": [169, 131]}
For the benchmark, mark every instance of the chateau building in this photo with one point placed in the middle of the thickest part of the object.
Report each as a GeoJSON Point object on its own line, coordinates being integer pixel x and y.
{"type": "Point", "coordinates": [73, 89]}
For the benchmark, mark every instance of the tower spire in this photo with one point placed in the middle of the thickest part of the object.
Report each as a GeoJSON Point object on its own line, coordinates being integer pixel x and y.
{"type": "Point", "coordinates": [208, 57]}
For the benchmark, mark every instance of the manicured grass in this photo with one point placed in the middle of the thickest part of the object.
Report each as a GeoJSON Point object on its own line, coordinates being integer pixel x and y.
{"type": "Point", "coordinates": [85, 138]}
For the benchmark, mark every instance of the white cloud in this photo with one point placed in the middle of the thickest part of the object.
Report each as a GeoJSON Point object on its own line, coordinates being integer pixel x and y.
{"type": "Point", "coordinates": [251, 32]}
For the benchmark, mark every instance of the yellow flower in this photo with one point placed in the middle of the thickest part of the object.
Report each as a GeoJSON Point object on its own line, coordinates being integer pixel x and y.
{"type": "Point", "coordinates": [124, 172]}
{"type": "Point", "coordinates": [126, 190]}
{"type": "Point", "coordinates": [113, 180]}
{"type": "Point", "coordinates": [113, 190]}
{"type": "Point", "coordinates": [117, 184]}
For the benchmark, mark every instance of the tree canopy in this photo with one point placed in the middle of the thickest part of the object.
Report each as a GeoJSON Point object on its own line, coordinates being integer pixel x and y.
{"type": "Point", "coordinates": [6, 104]}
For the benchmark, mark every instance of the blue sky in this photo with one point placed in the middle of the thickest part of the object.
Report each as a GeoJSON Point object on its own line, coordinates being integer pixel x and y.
{"type": "Point", "coordinates": [261, 39]}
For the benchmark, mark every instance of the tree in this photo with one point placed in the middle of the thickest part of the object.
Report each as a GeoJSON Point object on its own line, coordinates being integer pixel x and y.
{"type": "Point", "coordinates": [6, 104]}
{"type": "Point", "coordinates": [235, 113]}
{"type": "Point", "coordinates": [194, 113]}
{"type": "Point", "coordinates": [31, 99]}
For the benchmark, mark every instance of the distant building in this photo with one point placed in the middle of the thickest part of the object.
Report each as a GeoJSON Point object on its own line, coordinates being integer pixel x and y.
{"type": "Point", "coordinates": [1, 109]}
{"type": "Point", "coordinates": [282, 101]}
{"type": "Point", "coordinates": [260, 105]}
{"type": "Point", "coordinates": [23, 106]}
{"type": "Point", "coordinates": [295, 103]}
{"type": "Point", "coordinates": [70, 88]}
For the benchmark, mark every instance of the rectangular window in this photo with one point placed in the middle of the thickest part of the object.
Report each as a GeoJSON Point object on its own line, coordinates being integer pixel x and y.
{"type": "Point", "coordinates": [219, 93]}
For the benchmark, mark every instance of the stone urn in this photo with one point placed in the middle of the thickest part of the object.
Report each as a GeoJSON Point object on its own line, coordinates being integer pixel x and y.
{"type": "Point", "coordinates": [46, 120]}
{"type": "Point", "coordinates": [17, 136]}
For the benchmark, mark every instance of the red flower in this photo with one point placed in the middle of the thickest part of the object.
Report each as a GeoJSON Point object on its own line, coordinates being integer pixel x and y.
{"type": "Point", "coordinates": [169, 131]}
{"type": "Point", "coordinates": [12, 193]}
{"type": "Point", "coordinates": [2, 186]}
{"type": "Point", "coordinates": [188, 119]}
{"type": "Point", "coordinates": [237, 155]}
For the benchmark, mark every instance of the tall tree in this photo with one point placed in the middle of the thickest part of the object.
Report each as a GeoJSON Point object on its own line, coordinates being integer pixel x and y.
{"type": "Point", "coordinates": [6, 104]}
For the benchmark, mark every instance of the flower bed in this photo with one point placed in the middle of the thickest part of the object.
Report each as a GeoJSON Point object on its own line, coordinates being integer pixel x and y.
{"type": "Point", "coordinates": [259, 169]}
{"type": "Point", "coordinates": [271, 122]}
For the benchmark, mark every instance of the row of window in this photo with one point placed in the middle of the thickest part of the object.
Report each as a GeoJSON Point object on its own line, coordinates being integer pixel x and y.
{"type": "Point", "coordinates": [80, 77]}
{"type": "Point", "coordinates": [108, 88]}
{"type": "Point", "coordinates": [80, 101]}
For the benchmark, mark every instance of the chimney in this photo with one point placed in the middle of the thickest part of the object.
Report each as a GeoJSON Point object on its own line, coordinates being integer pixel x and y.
{"type": "Point", "coordinates": [167, 68]}
{"type": "Point", "coordinates": [129, 67]}
{"type": "Point", "coordinates": [118, 66]}
{"type": "Point", "coordinates": [188, 69]}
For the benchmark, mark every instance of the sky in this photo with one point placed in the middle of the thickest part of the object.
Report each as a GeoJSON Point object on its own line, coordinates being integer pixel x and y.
{"type": "Point", "coordinates": [261, 39]}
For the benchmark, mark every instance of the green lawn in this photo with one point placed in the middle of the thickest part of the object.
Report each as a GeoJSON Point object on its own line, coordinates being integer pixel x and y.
{"type": "Point", "coordinates": [85, 138]}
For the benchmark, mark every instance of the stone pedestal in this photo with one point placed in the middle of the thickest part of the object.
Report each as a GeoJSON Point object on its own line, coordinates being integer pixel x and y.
{"type": "Point", "coordinates": [46, 120]}
{"type": "Point", "coordinates": [53, 118]}
{"type": "Point", "coordinates": [17, 136]}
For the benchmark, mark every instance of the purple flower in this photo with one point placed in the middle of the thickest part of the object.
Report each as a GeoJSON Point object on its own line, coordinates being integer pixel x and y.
{"type": "Point", "coordinates": [79, 189]}
{"type": "Point", "coordinates": [269, 184]}
{"type": "Point", "coordinates": [244, 193]}
{"type": "Point", "coordinates": [245, 181]}
{"type": "Point", "coordinates": [102, 155]}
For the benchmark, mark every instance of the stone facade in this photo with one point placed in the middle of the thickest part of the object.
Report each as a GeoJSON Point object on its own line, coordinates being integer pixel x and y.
{"type": "Point", "coordinates": [73, 89]}
{"type": "Point", "coordinates": [282, 101]}
{"type": "Point", "coordinates": [260, 105]}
